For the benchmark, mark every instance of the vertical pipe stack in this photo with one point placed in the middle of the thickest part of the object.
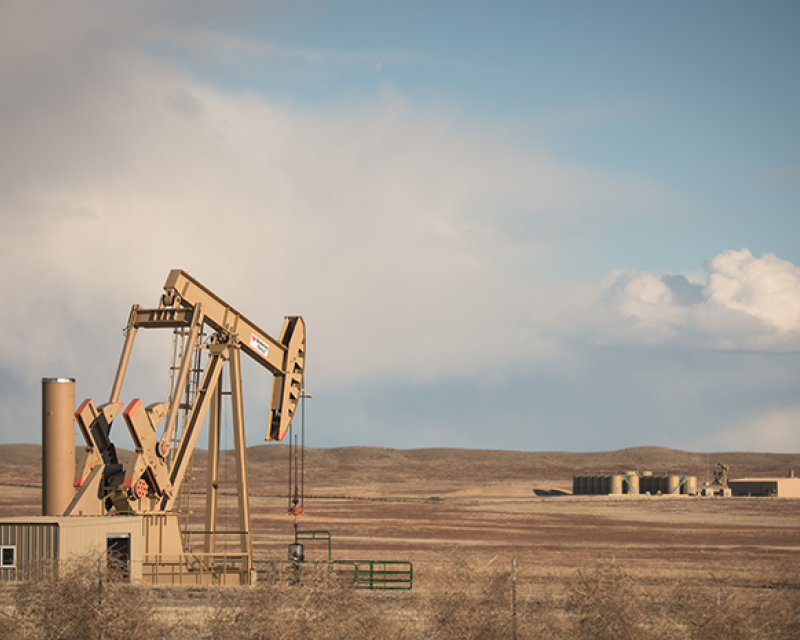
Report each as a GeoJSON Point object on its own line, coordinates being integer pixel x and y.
{"type": "Point", "coordinates": [58, 444]}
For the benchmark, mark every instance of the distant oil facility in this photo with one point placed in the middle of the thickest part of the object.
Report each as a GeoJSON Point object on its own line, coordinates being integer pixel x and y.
{"type": "Point", "coordinates": [645, 483]}
{"type": "Point", "coordinates": [633, 483]}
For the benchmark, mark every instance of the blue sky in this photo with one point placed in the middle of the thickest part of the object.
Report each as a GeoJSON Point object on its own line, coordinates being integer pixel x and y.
{"type": "Point", "coordinates": [517, 225]}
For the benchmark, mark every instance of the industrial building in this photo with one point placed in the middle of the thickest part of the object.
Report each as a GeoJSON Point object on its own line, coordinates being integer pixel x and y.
{"type": "Point", "coordinates": [33, 546]}
{"type": "Point", "coordinates": [778, 487]}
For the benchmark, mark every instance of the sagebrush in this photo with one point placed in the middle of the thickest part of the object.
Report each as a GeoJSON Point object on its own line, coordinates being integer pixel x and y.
{"type": "Point", "coordinates": [451, 599]}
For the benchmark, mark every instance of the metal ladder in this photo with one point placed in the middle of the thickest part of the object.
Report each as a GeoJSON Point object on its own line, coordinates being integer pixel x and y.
{"type": "Point", "coordinates": [179, 346]}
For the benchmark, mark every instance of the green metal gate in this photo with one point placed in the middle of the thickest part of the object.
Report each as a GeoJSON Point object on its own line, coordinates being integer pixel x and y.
{"type": "Point", "coordinates": [377, 574]}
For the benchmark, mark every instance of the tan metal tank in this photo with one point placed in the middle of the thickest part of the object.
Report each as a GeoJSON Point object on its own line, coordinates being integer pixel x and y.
{"type": "Point", "coordinates": [633, 484]}
{"type": "Point", "coordinates": [690, 487]}
{"type": "Point", "coordinates": [58, 444]}
{"type": "Point", "coordinates": [615, 485]}
{"type": "Point", "coordinates": [674, 484]}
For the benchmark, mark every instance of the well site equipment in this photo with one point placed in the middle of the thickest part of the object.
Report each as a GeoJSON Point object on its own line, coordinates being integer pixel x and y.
{"type": "Point", "coordinates": [135, 512]}
{"type": "Point", "coordinates": [775, 487]}
{"type": "Point", "coordinates": [58, 444]}
{"type": "Point", "coordinates": [634, 483]}
{"type": "Point", "coordinates": [103, 494]}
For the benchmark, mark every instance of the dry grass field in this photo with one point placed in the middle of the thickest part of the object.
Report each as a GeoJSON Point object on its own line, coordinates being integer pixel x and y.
{"type": "Point", "coordinates": [587, 566]}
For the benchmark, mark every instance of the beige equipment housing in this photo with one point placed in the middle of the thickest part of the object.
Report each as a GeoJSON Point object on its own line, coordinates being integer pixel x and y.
{"type": "Point", "coordinates": [149, 483]}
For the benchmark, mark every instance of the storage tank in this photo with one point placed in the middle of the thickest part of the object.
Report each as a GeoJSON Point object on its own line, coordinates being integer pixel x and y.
{"type": "Point", "coordinates": [58, 444]}
{"type": "Point", "coordinates": [633, 484]}
{"type": "Point", "coordinates": [690, 487]}
{"type": "Point", "coordinates": [673, 485]}
{"type": "Point", "coordinates": [615, 487]}
{"type": "Point", "coordinates": [646, 482]}
{"type": "Point", "coordinates": [655, 485]}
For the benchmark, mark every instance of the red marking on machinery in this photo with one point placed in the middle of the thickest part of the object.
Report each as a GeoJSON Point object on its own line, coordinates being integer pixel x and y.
{"type": "Point", "coordinates": [77, 482]}
{"type": "Point", "coordinates": [133, 408]}
{"type": "Point", "coordinates": [82, 407]}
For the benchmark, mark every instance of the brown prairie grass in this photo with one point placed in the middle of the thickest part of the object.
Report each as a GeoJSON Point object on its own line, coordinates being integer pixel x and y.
{"type": "Point", "coordinates": [451, 599]}
{"type": "Point", "coordinates": [83, 600]}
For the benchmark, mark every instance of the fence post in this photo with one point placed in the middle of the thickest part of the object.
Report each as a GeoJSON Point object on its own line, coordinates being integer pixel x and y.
{"type": "Point", "coordinates": [514, 598]}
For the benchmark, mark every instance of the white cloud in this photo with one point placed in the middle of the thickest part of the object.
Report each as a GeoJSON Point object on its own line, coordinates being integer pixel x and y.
{"type": "Point", "coordinates": [747, 303]}
{"type": "Point", "coordinates": [766, 288]}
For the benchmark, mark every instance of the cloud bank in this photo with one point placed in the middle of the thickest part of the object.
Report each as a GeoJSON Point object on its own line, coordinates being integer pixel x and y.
{"type": "Point", "coordinates": [745, 303]}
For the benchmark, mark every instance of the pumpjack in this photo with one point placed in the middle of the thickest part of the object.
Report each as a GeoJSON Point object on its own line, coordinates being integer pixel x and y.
{"type": "Point", "coordinates": [149, 483]}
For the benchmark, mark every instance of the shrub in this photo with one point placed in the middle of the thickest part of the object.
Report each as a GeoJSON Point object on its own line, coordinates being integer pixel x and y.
{"type": "Point", "coordinates": [80, 602]}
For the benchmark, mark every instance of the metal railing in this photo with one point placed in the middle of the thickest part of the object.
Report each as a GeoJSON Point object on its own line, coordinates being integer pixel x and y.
{"type": "Point", "coordinates": [197, 568]}
{"type": "Point", "coordinates": [316, 535]}
{"type": "Point", "coordinates": [377, 575]}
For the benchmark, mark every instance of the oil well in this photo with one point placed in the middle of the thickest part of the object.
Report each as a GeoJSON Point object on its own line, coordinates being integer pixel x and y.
{"type": "Point", "coordinates": [134, 509]}
{"type": "Point", "coordinates": [134, 513]}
